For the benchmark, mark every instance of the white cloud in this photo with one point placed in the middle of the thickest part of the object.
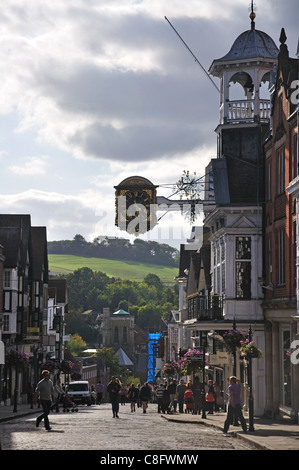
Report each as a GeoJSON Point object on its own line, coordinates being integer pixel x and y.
{"type": "Point", "coordinates": [30, 166]}
{"type": "Point", "coordinates": [107, 90]}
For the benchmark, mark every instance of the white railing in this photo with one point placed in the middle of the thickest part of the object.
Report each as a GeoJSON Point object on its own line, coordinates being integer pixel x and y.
{"type": "Point", "coordinates": [240, 110]}
{"type": "Point", "coordinates": [243, 110]}
{"type": "Point", "coordinates": [265, 110]}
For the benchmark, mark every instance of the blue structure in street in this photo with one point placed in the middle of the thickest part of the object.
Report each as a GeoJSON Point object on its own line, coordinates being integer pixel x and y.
{"type": "Point", "coordinates": [153, 339]}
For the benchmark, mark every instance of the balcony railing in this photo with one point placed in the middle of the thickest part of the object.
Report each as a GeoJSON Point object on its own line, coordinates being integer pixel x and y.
{"type": "Point", "coordinates": [243, 110]}
{"type": "Point", "coordinates": [204, 307]}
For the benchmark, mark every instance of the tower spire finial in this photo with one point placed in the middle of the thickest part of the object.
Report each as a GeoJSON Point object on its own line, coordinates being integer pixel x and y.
{"type": "Point", "coordinates": [252, 15]}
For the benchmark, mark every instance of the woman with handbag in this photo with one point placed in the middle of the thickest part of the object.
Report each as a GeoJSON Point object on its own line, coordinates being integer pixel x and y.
{"type": "Point", "coordinates": [210, 397]}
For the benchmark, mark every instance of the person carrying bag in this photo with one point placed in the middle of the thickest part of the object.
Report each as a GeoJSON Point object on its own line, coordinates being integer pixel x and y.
{"type": "Point", "coordinates": [210, 397]}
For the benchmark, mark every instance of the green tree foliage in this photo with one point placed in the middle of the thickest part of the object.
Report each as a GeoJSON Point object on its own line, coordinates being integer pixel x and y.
{"type": "Point", "coordinates": [76, 323]}
{"type": "Point", "coordinates": [132, 380]}
{"type": "Point", "coordinates": [148, 301]}
{"type": "Point", "coordinates": [108, 356]}
{"type": "Point", "coordinates": [117, 248]}
{"type": "Point", "coordinates": [76, 345]}
{"type": "Point", "coordinates": [84, 286]}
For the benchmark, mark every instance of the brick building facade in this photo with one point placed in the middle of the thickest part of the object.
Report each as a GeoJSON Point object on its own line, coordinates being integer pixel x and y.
{"type": "Point", "coordinates": [281, 167]}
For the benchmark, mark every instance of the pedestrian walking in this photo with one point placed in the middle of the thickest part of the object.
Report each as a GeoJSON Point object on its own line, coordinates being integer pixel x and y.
{"type": "Point", "coordinates": [219, 399]}
{"type": "Point", "coordinates": [234, 405]}
{"type": "Point", "coordinates": [166, 399]}
{"type": "Point", "coordinates": [159, 395]}
{"type": "Point", "coordinates": [123, 394]}
{"type": "Point", "coordinates": [99, 392]}
{"type": "Point", "coordinates": [145, 395]}
{"type": "Point", "coordinates": [172, 393]}
{"type": "Point", "coordinates": [138, 399]}
{"type": "Point", "coordinates": [45, 391]}
{"type": "Point", "coordinates": [58, 392]}
{"type": "Point", "coordinates": [210, 397]}
{"type": "Point", "coordinates": [197, 395]}
{"type": "Point", "coordinates": [113, 388]}
{"type": "Point", "coordinates": [133, 395]}
{"type": "Point", "coordinates": [180, 392]}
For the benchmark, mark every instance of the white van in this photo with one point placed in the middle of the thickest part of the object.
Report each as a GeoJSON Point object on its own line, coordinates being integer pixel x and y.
{"type": "Point", "coordinates": [80, 392]}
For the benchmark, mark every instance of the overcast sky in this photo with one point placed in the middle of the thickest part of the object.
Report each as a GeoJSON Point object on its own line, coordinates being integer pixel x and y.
{"type": "Point", "coordinates": [94, 91]}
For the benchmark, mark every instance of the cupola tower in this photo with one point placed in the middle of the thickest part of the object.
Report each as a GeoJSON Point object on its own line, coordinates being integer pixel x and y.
{"type": "Point", "coordinates": [245, 74]}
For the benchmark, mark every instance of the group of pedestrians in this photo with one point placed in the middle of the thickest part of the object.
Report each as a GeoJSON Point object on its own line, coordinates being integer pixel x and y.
{"type": "Point", "coordinates": [168, 396]}
{"type": "Point", "coordinates": [191, 395]}
{"type": "Point", "coordinates": [137, 396]}
{"type": "Point", "coordinates": [188, 397]}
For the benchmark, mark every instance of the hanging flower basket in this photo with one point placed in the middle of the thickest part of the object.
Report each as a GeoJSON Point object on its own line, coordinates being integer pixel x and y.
{"type": "Point", "coordinates": [249, 350]}
{"type": "Point", "coordinates": [232, 339]}
{"type": "Point", "coordinates": [50, 365]}
{"type": "Point", "coordinates": [66, 366]}
{"type": "Point", "coordinates": [17, 359]}
{"type": "Point", "coordinates": [193, 353]}
{"type": "Point", "coordinates": [192, 361]}
{"type": "Point", "coordinates": [172, 368]}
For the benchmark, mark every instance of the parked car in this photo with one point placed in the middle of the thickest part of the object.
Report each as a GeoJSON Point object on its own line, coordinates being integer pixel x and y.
{"type": "Point", "coordinates": [80, 392]}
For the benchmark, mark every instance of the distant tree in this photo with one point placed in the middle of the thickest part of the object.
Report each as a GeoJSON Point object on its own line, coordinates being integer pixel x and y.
{"type": "Point", "coordinates": [154, 280]}
{"type": "Point", "coordinates": [79, 240]}
{"type": "Point", "coordinates": [76, 345]}
{"type": "Point", "coordinates": [85, 286]}
{"type": "Point", "coordinates": [76, 323]}
{"type": "Point", "coordinates": [148, 301]}
{"type": "Point", "coordinates": [123, 305]}
{"type": "Point", "coordinates": [108, 356]}
{"type": "Point", "coordinates": [117, 248]}
{"type": "Point", "coordinates": [148, 316]}
{"type": "Point", "coordinates": [132, 380]}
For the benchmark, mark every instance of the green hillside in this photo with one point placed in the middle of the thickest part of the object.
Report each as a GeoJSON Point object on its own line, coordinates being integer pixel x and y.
{"type": "Point", "coordinates": [64, 264]}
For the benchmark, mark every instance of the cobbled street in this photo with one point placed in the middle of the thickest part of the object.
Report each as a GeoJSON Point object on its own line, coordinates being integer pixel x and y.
{"type": "Point", "coordinates": [93, 428]}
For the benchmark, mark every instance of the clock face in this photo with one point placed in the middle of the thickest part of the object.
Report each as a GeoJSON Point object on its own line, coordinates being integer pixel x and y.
{"type": "Point", "coordinates": [135, 206]}
{"type": "Point", "coordinates": [138, 217]}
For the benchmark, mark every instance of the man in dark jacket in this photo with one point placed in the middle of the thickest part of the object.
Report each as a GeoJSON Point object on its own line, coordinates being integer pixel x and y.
{"type": "Point", "coordinates": [113, 388]}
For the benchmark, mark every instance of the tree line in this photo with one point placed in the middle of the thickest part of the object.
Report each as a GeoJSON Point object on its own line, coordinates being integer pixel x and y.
{"type": "Point", "coordinates": [149, 301]}
{"type": "Point", "coordinates": [117, 248]}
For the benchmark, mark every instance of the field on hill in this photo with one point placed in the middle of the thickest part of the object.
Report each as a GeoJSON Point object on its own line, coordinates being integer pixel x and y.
{"type": "Point", "coordinates": [64, 264]}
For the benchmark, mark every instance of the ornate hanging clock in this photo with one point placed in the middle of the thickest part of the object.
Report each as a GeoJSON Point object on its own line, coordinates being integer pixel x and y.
{"type": "Point", "coordinates": [135, 204]}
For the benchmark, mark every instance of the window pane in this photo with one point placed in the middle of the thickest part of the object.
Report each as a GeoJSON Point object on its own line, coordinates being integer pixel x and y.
{"type": "Point", "coordinates": [243, 280]}
{"type": "Point", "coordinates": [243, 247]}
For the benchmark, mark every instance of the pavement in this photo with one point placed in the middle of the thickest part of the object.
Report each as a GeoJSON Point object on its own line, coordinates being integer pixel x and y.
{"type": "Point", "coordinates": [279, 434]}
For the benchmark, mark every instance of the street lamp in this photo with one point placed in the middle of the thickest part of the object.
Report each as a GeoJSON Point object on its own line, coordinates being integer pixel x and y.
{"type": "Point", "coordinates": [250, 398]}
